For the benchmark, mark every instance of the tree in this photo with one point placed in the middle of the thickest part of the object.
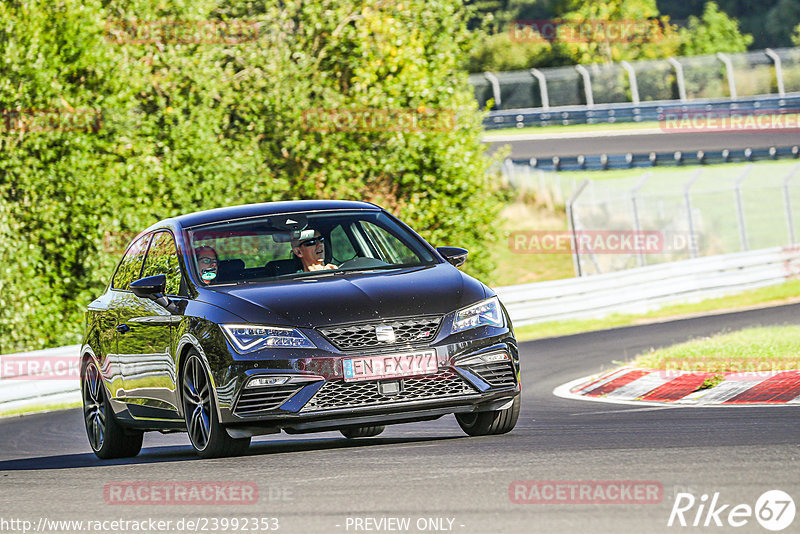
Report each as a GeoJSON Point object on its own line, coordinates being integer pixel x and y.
{"type": "Point", "coordinates": [782, 19]}
{"type": "Point", "coordinates": [713, 32]}
{"type": "Point", "coordinates": [326, 99]}
{"type": "Point", "coordinates": [613, 30]}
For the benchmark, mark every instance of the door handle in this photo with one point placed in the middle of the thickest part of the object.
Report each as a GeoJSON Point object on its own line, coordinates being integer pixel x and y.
{"type": "Point", "coordinates": [122, 328]}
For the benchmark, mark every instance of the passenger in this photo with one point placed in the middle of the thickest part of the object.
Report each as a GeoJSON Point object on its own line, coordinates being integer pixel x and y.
{"type": "Point", "coordinates": [206, 263]}
{"type": "Point", "coordinates": [311, 253]}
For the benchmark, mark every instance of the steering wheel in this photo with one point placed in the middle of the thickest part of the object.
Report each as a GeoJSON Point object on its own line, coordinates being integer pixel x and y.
{"type": "Point", "coordinates": [362, 263]}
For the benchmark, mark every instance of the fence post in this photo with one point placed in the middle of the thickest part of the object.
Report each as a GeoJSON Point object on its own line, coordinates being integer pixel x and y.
{"type": "Point", "coordinates": [787, 202]}
{"type": "Point", "coordinates": [576, 260]}
{"type": "Point", "coordinates": [679, 77]}
{"type": "Point", "coordinates": [740, 208]}
{"type": "Point", "coordinates": [495, 88]}
{"type": "Point", "coordinates": [540, 77]}
{"type": "Point", "coordinates": [776, 60]}
{"type": "Point", "coordinates": [693, 252]}
{"type": "Point", "coordinates": [587, 85]}
{"type": "Point", "coordinates": [632, 80]}
{"type": "Point", "coordinates": [729, 72]}
{"type": "Point", "coordinates": [510, 172]}
{"type": "Point", "coordinates": [636, 225]}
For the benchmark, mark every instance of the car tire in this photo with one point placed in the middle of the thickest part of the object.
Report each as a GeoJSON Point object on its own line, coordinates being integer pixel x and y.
{"type": "Point", "coordinates": [490, 423]}
{"type": "Point", "coordinates": [208, 436]}
{"type": "Point", "coordinates": [362, 431]}
{"type": "Point", "coordinates": [107, 437]}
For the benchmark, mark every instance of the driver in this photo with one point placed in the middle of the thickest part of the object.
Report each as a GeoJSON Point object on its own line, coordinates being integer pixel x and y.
{"type": "Point", "coordinates": [206, 263]}
{"type": "Point", "coordinates": [311, 253]}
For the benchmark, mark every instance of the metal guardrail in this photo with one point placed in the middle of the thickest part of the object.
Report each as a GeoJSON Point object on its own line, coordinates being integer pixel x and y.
{"type": "Point", "coordinates": [632, 160]}
{"type": "Point", "coordinates": [645, 288]}
{"type": "Point", "coordinates": [642, 112]}
{"type": "Point", "coordinates": [631, 291]}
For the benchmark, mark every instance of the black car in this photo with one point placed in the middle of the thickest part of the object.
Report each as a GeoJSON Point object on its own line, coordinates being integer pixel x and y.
{"type": "Point", "coordinates": [300, 316]}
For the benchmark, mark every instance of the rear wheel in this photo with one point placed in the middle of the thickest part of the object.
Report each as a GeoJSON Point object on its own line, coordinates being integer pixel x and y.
{"type": "Point", "coordinates": [362, 431]}
{"type": "Point", "coordinates": [489, 423]}
{"type": "Point", "coordinates": [107, 437]}
{"type": "Point", "coordinates": [208, 437]}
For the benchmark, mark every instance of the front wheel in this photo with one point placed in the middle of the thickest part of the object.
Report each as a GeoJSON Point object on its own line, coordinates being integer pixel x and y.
{"type": "Point", "coordinates": [489, 423]}
{"type": "Point", "coordinates": [107, 437]}
{"type": "Point", "coordinates": [208, 437]}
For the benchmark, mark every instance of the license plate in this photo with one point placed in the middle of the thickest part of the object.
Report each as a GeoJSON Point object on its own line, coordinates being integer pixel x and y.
{"type": "Point", "coordinates": [390, 366]}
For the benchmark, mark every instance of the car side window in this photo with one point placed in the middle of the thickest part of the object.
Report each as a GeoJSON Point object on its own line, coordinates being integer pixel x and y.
{"type": "Point", "coordinates": [341, 248]}
{"type": "Point", "coordinates": [162, 258]}
{"type": "Point", "coordinates": [390, 248]}
{"type": "Point", "coordinates": [131, 264]}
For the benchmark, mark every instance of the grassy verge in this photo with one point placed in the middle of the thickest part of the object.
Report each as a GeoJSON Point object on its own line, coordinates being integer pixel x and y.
{"type": "Point", "coordinates": [751, 349]}
{"type": "Point", "coordinates": [772, 295]}
{"type": "Point", "coordinates": [514, 267]}
{"type": "Point", "coordinates": [570, 128]}
{"type": "Point", "coordinates": [43, 407]}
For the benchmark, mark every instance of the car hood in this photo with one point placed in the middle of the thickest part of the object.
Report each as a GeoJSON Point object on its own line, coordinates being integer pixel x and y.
{"type": "Point", "coordinates": [353, 297]}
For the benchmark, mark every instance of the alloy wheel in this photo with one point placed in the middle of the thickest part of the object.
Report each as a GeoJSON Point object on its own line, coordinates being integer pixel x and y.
{"type": "Point", "coordinates": [94, 411]}
{"type": "Point", "coordinates": [197, 402]}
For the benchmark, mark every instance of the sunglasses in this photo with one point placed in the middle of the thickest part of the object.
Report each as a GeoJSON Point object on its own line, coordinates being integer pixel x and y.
{"type": "Point", "coordinates": [312, 242]}
{"type": "Point", "coordinates": [207, 261]}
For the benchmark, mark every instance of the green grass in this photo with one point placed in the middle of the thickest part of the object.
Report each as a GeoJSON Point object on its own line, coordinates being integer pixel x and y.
{"type": "Point", "coordinates": [768, 295]}
{"type": "Point", "coordinates": [43, 407]}
{"type": "Point", "coordinates": [514, 267]}
{"type": "Point", "coordinates": [752, 349]}
{"type": "Point", "coordinates": [605, 127]}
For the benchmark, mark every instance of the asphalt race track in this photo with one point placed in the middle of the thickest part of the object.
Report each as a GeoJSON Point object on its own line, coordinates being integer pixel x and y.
{"type": "Point", "coordinates": [543, 147]}
{"type": "Point", "coordinates": [422, 471]}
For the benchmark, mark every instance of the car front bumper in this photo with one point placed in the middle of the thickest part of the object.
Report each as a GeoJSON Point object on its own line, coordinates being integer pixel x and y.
{"type": "Point", "coordinates": [316, 397]}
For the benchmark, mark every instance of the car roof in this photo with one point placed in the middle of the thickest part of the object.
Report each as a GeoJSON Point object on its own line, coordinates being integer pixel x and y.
{"type": "Point", "coordinates": [266, 208]}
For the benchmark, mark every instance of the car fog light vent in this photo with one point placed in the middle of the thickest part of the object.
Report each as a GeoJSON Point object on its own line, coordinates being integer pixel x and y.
{"type": "Point", "coordinates": [267, 381]}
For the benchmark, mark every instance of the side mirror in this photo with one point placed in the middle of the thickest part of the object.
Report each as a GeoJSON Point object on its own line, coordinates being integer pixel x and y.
{"type": "Point", "coordinates": [150, 287]}
{"type": "Point", "coordinates": [457, 256]}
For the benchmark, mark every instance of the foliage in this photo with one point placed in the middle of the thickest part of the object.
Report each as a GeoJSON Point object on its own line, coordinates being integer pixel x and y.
{"type": "Point", "coordinates": [651, 34]}
{"type": "Point", "coordinates": [655, 38]}
{"type": "Point", "coordinates": [499, 52]}
{"type": "Point", "coordinates": [190, 125]}
{"type": "Point", "coordinates": [713, 32]}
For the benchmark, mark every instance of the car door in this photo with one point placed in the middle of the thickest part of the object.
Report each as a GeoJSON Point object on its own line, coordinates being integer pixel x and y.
{"type": "Point", "coordinates": [146, 342]}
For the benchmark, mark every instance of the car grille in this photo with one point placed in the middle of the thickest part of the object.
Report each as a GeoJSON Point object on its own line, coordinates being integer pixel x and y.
{"type": "Point", "coordinates": [496, 374]}
{"type": "Point", "coordinates": [407, 331]}
{"type": "Point", "coordinates": [256, 400]}
{"type": "Point", "coordinates": [340, 394]}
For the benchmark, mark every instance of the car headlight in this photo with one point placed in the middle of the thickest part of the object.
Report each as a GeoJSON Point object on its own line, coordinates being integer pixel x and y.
{"type": "Point", "coordinates": [247, 337]}
{"type": "Point", "coordinates": [485, 312]}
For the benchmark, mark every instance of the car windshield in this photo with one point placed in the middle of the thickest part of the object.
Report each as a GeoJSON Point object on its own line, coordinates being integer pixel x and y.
{"type": "Point", "coordinates": [296, 245]}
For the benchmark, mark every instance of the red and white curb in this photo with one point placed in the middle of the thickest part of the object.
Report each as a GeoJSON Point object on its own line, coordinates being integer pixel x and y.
{"type": "Point", "coordinates": [629, 385]}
